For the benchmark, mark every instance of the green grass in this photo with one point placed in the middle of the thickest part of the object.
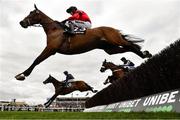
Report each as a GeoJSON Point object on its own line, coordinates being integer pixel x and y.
{"type": "Point", "coordinates": [88, 115]}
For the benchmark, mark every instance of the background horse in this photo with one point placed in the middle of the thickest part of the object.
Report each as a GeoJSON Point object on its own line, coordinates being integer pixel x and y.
{"type": "Point", "coordinates": [117, 71]}
{"type": "Point", "coordinates": [61, 90]}
{"type": "Point", "coordinates": [106, 38]}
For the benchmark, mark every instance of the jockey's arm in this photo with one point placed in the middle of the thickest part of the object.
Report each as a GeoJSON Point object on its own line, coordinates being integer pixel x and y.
{"type": "Point", "coordinates": [124, 65]}
{"type": "Point", "coordinates": [74, 17]}
{"type": "Point", "coordinates": [64, 21]}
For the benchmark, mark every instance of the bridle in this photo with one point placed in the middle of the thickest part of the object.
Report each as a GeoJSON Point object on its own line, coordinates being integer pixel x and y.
{"type": "Point", "coordinates": [34, 25]}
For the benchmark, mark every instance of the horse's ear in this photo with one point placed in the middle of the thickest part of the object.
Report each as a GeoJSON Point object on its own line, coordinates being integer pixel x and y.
{"type": "Point", "coordinates": [105, 60]}
{"type": "Point", "coordinates": [35, 7]}
{"type": "Point", "coordinates": [49, 75]}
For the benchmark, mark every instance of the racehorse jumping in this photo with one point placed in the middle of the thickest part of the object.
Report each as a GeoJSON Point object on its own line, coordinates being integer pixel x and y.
{"type": "Point", "coordinates": [61, 90]}
{"type": "Point", "coordinates": [106, 38]}
{"type": "Point", "coordinates": [117, 71]}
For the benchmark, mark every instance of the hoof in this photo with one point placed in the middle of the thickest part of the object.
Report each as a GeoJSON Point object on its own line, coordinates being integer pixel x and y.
{"type": "Point", "coordinates": [46, 106]}
{"type": "Point", "coordinates": [105, 83]}
{"type": "Point", "coordinates": [20, 77]}
{"type": "Point", "coordinates": [147, 54]}
{"type": "Point", "coordinates": [95, 91]}
{"type": "Point", "coordinates": [87, 94]}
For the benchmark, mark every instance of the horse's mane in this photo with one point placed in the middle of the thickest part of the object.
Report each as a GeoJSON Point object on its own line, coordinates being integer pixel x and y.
{"type": "Point", "coordinates": [60, 24]}
{"type": "Point", "coordinates": [111, 63]}
{"type": "Point", "coordinates": [57, 79]}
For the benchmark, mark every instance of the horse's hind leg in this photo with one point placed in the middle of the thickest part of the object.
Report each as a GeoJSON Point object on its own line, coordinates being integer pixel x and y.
{"type": "Point", "coordinates": [115, 50]}
{"type": "Point", "coordinates": [133, 48]}
{"type": "Point", "coordinates": [119, 49]}
{"type": "Point", "coordinates": [90, 88]}
{"type": "Point", "coordinates": [115, 38]}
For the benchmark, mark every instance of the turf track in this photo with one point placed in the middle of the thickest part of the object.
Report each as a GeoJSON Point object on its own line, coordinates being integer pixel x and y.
{"type": "Point", "coordinates": [87, 115]}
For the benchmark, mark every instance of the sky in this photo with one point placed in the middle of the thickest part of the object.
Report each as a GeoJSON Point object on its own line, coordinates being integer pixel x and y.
{"type": "Point", "coordinates": [156, 21]}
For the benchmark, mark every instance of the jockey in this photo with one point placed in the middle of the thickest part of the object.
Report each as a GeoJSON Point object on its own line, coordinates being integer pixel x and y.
{"type": "Point", "coordinates": [69, 77]}
{"type": "Point", "coordinates": [127, 64]}
{"type": "Point", "coordinates": [78, 19]}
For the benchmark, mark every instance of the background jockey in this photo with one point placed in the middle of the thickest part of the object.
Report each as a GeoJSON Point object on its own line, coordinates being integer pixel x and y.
{"type": "Point", "coordinates": [127, 64]}
{"type": "Point", "coordinates": [69, 77]}
{"type": "Point", "coordinates": [78, 18]}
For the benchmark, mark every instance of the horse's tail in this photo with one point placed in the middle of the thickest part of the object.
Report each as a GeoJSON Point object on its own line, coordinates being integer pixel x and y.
{"type": "Point", "coordinates": [133, 40]}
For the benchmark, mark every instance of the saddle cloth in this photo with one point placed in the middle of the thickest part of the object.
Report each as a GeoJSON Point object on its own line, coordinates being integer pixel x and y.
{"type": "Point", "coordinates": [79, 30]}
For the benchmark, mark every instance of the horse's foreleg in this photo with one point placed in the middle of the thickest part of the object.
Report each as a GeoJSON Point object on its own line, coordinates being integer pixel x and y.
{"type": "Point", "coordinates": [48, 103]}
{"type": "Point", "coordinates": [87, 87]}
{"type": "Point", "coordinates": [106, 81]}
{"type": "Point", "coordinates": [44, 55]}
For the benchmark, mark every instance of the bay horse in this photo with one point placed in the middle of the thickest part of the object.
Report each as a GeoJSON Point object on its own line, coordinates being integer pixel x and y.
{"type": "Point", "coordinates": [106, 38]}
{"type": "Point", "coordinates": [61, 90]}
{"type": "Point", "coordinates": [118, 71]}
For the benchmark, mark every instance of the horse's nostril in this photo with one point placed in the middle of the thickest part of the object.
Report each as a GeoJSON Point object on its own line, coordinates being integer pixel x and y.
{"type": "Point", "coordinates": [21, 22]}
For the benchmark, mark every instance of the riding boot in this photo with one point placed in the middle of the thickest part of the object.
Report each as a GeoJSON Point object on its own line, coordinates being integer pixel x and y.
{"type": "Point", "coordinates": [66, 84]}
{"type": "Point", "coordinates": [70, 30]}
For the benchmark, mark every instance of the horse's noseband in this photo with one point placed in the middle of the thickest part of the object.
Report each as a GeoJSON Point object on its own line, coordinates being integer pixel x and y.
{"type": "Point", "coordinates": [103, 67]}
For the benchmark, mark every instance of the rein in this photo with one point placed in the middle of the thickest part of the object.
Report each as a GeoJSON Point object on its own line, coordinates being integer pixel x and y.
{"type": "Point", "coordinates": [117, 70]}
{"type": "Point", "coordinates": [37, 25]}
{"type": "Point", "coordinates": [120, 69]}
